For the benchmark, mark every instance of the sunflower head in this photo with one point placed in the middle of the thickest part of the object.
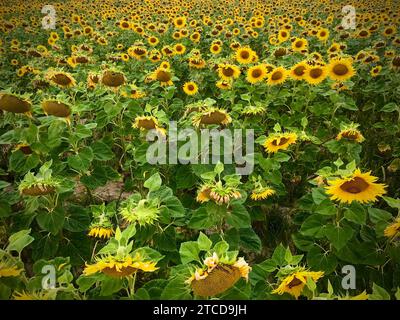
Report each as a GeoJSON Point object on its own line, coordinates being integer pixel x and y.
{"type": "Point", "coordinates": [211, 115]}
{"type": "Point", "coordinates": [279, 141]}
{"type": "Point", "coordinates": [351, 133]}
{"type": "Point", "coordinates": [60, 78]}
{"type": "Point", "coordinates": [56, 108]}
{"type": "Point", "coordinates": [358, 186]}
{"type": "Point", "coordinates": [112, 79]}
{"type": "Point", "coordinates": [141, 211]}
{"type": "Point", "coordinates": [277, 76]}
{"type": "Point", "coordinates": [14, 103]}
{"type": "Point", "coordinates": [190, 88]}
{"type": "Point", "coordinates": [340, 69]}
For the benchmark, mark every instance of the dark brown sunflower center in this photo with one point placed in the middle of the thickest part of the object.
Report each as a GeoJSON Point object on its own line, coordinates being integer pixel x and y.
{"type": "Point", "coordinates": [396, 61]}
{"type": "Point", "coordinates": [214, 117]}
{"type": "Point", "coordinates": [113, 79]}
{"type": "Point", "coordinates": [298, 44]}
{"type": "Point", "coordinates": [61, 79]}
{"type": "Point", "coordinates": [299, 71]}
{"type": "Point", "coordinates": [190, 87]}
{"type": "Point", "coordinates": [123, 272]}
{"type": "Point", "coordinates": [245, 54]}
{"type": "Point", "coordinates": [139, 51]}
{"type": "Point", "coordinates": [228, 71]}
{"type": "Point", "coordinates": [363, 33]}
{"type": "Point", "coordinates": [340, 69]}
{"type": "Point", "coordinates": [315, 73]}
{"type": "Point", "coordinates": [350, 135]}
{"type": "Point", "coordinates": [56, 108]}
{"type": "Point", "coordinates": [256, 73]}
{"type": "Point", "coordinates": [294, 283]}
{"type": "Point", "coordinates": [356, 185]}
{"type": "Point", "coordinates": [277, 75]}
{"type": "Point", "coordinates": [218, 280]}
{"type": "Point", "coordinates": [163, 76]}
{"type": "Point", "coordinates": [147, 124]}
{"type": "Point", "coordinates": [281, 142]}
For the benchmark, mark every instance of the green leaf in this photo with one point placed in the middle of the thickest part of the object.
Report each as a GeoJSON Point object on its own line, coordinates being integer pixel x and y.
{"type": "Point", "coordinates": [238, 217]}
{"type": "Point", "coordinates": [82, 160]}
{"type": "Point", "coordinates": [221, 248]}
{"type": "Point", "coordinates": [51, 221]}
{"type": "Point", "coordinates": [319, 260]}
{"type": "Point", "coordinates": [393, 203]}
{"type": "Point", "coordinates": [176, 289]}
{"type": "Point", "coordinates": [314, 225]}
{"type": "Point", "coordinates": [281, 157]}
{"type": "Point", "coordinates": [356, 213]}
{"type": "Point", "coordinates": [86, 282]}
{"type": "Point", "coordinates": [153, 183]}
{"type": "Point", "coordinates": [338, 235]}
{"type": "Point", "coordinates": [318, 195]}
{"type": "Point", "coordinates": [19, 240]}
{"type": "Point", "coordinates": [279, 255]}
{"type": "Point", "coordinates": [189, 251]}
{"type": "Point", "coordinates": [219, 168]}
{"type": "Point", "coordinates": [397, 294]}
{"type": "Point", "coordinates": [110, 285]}
{"type": "Point", "coordinates": [77, 219]}
{"type": "Point", "coordinates": [378, 293]}
{"type": "Point", "coordinates": [326, 207]}
{"type": "Point", "coordinates": [4, 184]}
{"type": "Point", "coordinates": [102, 151]}
{"type": "Point", "coordinates": [249, 239]}
{"type": "Point", "coordinates": [203, 242]}
{"type": "Point", "coordinates": [200, 219]}
{"type": "Point", "coordinates": [389, 107]}
{"type": "Point", "coordinates": [378, 215]}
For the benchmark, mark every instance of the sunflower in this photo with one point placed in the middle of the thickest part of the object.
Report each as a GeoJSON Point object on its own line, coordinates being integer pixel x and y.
{"type": "Point", "coordinates": [315, 74]}
{"type": "Point", "coordinates": [396, 63]}
{"type": "Point", "coordinates": [256, 73]}
{"type": "Point", "coordinates": [141, 211]}
{"type": "Point", "coordinates": [56, 108]}
{"type": "Point", "coordinates": [119, 267]}
{"type": "Point", "coordinates": [279, 141]}
{"type": "Point", "coordinates": [351, 133]}
{"type": "Point", "coordinates": [283, 35]}
{"type": "Point", "coordinates": [277, 76]}
{"type": "Point", "coordinates": [215, 48]}
{"type": "Point", "coordinates": [340, 69]}
{"type": "Point", "coordinates": [180, 22]}
{"type": "Point", "coordinates": [100, 232]}
{"type": "Point", "coordinates": [92, 80]}
{"type": "Point", "coordinates": [197, 63]}
{"type": "Point", "coordinates": [113, 79]}
{"type": "Point", "coordinates": [393, 230]}
{"type": "Point", "coordinates": [15, 104]}
{"type": "Point", "coordinates": [299, 44]}
{"type": "Point", "coordinates": [262, 193]}
{"type": "Point", "coordinates": [179, 48]}
{"type": "Point", "coordinates": [9, 269]}
{"type": "Point", "coordinates": [375, 71]}
{"type": "Point", "coordinates": [358, 186]}
{"type": "Point", "coordinates": [295, 282]}
{"type": "Point", "coordinates": [145, 122]}
{"type": "Point", "coordinates": [60, 79]}
{"type": "Point", "coordinates": [163, 76]}
{"type": "Point", "coordinates": [35, 295]}
{"type": "Point", "coordinates": [252, 110]}
{"type": "Point", "coordinates": [153, 41]}
{"type": "Point", "coordinates": [190, 88]}
{"type": "Point", "coordinates": [323, 34]}
{"type": "Point", "coordinates": [223, 84]}
{"type": "Point", "coordinates": [137, 52]}
{"type": "Point", "coordinates": [297, 72]}
{"type": "Point", "coordinates": [211, 115]}
{"type": "Point", "coordinates": [133, 92]}
{"type": "Point", "coordinates": [217, 275]}
{"type": "Point", "coordinates": [228, 71]}
{"type": "Point", "coordinates": [203, 195]}
{"type": "Point", "coordinates": [245, 55]}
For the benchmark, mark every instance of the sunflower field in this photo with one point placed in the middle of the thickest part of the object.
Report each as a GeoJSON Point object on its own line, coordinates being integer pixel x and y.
{"type": "Point", "coordinates": [312, 87]}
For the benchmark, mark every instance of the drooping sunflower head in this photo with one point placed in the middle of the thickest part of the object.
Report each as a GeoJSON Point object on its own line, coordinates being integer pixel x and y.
{"type": "Point", "coordinates": [60, 78]}
{"type": "Point", "coordinates": [9, 267]}
{"type": "Point", "coordinates": [34, 295]}
{"type": "Point", "coordinates": [254, 110]}
{"type": "Point", "coordinates": [262, 193]}
{"type": "Point", "coordinates": [393, 229]}
{"type": "Point", "coordinates": [211, 115]}
{"type": "Point", "coordinates": [113, 79]}
{"type": "Point", "coordinates": [93, 80]}
{"type": "Point", "coordinates": [56, 108]}
{"type": "Point", "coordinates": [137, 52]}
{"type": "Point", "coordinates": [14, 103]}
{"type": "Point", "coordinates": [141, 211]}
{"type": "Point", "coordinates": [163, 76]}
{"type": "Point", "coordinates": [133, 92]}
{"type": "Point", "coordinates": [120, 267]}
{"type": "Point", "coordinates": [100, 231]}
{"type": "Point", "coordinates": [279, 141]}
{"type": "Point", "coordinates": [217, 275]}
{"type": "Point", "coordinates": [224, 84]}
{"type": "Point", "coordinates": [145, 122]}
{"type": "Point", "coordinates": [40, 184]}
{"type": "Point", "coordinates": [360, 187]}
{"type": "Point", "coordinates": [350, 132]}
{"type": "Point", "coordinates": [295, 282]}
{"type": "Point", "coordinates": [341, 69]}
